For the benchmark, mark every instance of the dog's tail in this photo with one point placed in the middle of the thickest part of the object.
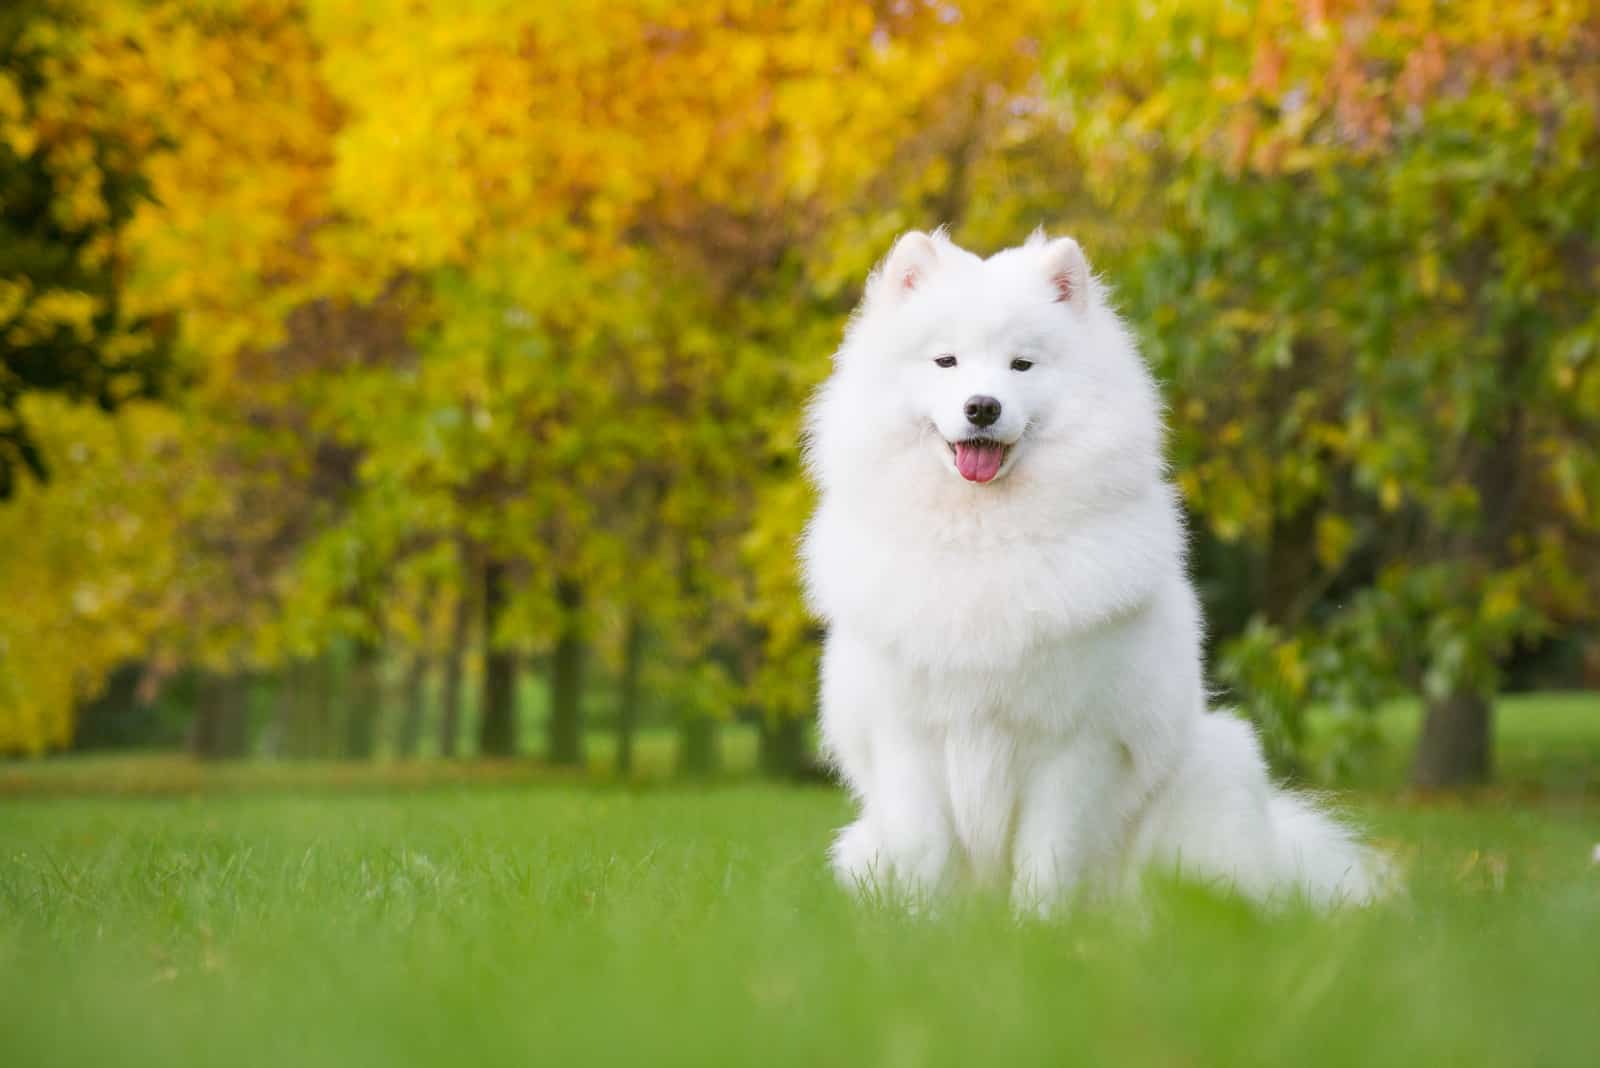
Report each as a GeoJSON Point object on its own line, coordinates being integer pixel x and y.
{"type": "Point", "coordinates": [1323, 857]}
{"type": "Point", "coordinates": [1221, 817]}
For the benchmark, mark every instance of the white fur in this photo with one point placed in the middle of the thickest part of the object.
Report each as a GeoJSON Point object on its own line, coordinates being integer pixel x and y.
{"type": "Point", "coordinates": [1012, 682]}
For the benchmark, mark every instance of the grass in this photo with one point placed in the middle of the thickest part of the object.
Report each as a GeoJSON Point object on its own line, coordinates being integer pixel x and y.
{"type": "Point", "coordinates": [569, 923]}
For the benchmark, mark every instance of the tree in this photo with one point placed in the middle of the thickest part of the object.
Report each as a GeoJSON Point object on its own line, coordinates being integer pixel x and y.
{"type": "Point", "coordinates": [495, 326]}
{"type": "Point", "coordinates": [602, 336]}
{"type": "Point", "coordinates": [497, 732]}
{"type": "Point", "coordinates": [454, 674]}
{"type": "Point", "coordinates": [195, 577]}
{"type": "Point", "coordinates": [71, 178]}
{"type": "Point", "coordinates": [1371, 293]}
{"type": "Point", "coordinates": [414, 704]}
{"type": "Point", "coordinates": [88, 562]}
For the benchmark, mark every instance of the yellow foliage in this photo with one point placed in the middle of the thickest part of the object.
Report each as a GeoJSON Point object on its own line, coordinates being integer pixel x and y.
{"type": "Point", "coordinates": [1334, 538]}
{"type": "Point", "coordinates": [88, 558]}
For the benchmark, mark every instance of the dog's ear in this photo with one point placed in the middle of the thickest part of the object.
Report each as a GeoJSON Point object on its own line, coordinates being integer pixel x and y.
{"type": "Point", "coordinates": [907, 266]}
{"type": "Point", "coordinates": [1068, 272]}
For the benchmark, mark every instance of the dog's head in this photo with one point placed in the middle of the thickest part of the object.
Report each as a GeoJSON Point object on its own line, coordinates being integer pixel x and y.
{"type": "Point", "coordinates": [986, 370]}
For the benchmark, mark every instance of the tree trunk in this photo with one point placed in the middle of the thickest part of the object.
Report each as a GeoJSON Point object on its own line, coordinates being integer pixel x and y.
{"type": "Point", "coordinates": [698, 752]}
{"type": "Point", "coordinates": [291, 710]}
{"type": "Point", "coordinates": [363, 705]}
{"type": "Point", "coordinates": [300, 710]}
{"type": "Point", "coordinates": [628, 694]}
{"type": "Point", "coordinates": [415, 697]}
{"type": "Point", "coordinates": [322, 735]}
{"type": "Point", "coordinates": [565, 725]}
{"type": "Point", "coordinates": [497, 725]}
{"type": "Point", "coordinates": [454, 668]}
{"type": "Point", "coordinates": [219, 730]}
{"type": "Point", "coordinates": [1290, 567]}
{"type": "Point", "coordinates": [236, 721]}
{"type": "Point", "coordinates": [1454, 750]}
{"type": "Point", "coordinates": [783, 751]}
{"type": "Point", "coordinates": [1457, 734]}
{"type": "Point", "coordinates": [205, 730]}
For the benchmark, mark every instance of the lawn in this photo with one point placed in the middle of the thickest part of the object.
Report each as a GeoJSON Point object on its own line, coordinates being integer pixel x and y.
{"type": "Point", "coordinates": [563, 923]}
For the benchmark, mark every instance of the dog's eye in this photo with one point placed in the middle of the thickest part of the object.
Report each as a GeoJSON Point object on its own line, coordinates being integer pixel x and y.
{"type": "Point", "coordinates": [945, 361]}
{"type": "Point", "coordinates": [1019, 364]}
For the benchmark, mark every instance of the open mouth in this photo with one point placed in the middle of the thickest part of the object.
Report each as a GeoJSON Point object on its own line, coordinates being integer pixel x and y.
{"type": "Point", "coordinates": [979, 459]}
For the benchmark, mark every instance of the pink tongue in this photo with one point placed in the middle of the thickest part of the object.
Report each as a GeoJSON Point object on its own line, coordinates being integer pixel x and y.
{"type": "Point", "coordinates": [979, 461]}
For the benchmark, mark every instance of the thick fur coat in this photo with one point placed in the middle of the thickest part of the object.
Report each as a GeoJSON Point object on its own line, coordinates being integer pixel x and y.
{"type": "Point", "coordinates": [1012, 682]}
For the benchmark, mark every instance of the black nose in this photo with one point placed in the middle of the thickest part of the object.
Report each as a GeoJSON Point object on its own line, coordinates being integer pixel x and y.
{"type": "Point", "coordinates": [982, 411]}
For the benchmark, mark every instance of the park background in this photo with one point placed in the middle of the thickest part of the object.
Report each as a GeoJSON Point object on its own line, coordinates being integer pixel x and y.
{"type": "Point", "coordinates": [400, 481]}
{"type": "Point", "coordinates": [385, 379]}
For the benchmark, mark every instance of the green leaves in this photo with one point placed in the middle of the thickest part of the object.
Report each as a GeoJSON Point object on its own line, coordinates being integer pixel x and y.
{"type": "Point", "coordinates": [1369, 271]}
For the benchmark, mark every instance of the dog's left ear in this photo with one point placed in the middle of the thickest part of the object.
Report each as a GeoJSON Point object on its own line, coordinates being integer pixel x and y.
{"type": "Point", "coordinates": [1068, 272]}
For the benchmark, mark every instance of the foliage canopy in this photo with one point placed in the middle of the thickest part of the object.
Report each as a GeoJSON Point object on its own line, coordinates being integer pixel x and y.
{"type": "Point", "coordinates": [544, 286]}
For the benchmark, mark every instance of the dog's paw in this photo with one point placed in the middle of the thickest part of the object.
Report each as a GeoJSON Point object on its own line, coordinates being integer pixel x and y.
{"type": "Point", "coordinates": [858, 860]}
{"type": "Point", "coordinates": [1046, 882]}
{"type": "Point", "coordinates": [908, 874]}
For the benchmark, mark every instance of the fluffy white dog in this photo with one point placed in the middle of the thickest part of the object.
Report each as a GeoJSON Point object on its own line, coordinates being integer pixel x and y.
{"type": "Point", "coordinates": [1012, 682]}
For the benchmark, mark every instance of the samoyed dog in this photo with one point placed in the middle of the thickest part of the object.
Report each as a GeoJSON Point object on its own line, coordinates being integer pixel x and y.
{"type": "Point", "coordinates": [1012, 683]}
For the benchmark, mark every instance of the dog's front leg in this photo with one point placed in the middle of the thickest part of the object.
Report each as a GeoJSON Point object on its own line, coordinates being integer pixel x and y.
{"type": "Point", "coordinates": [902, 846]}
{"type": "Point", "coordinates": [1069, 820]}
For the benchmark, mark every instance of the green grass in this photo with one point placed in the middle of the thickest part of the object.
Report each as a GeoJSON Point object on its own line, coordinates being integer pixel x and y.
{"type": "Point", "coordinates": [564, 925]}
{"type": "Point", "coordinates": [506, 919]}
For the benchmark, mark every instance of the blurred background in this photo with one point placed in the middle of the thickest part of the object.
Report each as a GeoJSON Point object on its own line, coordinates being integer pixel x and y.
{"type": "Point", "coordinates": [384, 380]}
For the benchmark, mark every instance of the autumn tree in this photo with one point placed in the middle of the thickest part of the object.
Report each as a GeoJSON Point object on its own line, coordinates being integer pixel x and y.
{"type": "Point", "coordinates": [1371, 290]}
{"type": "Point", "coordinates": [591, 402]}
{"type": "Point", "coordinates": [71, 177]}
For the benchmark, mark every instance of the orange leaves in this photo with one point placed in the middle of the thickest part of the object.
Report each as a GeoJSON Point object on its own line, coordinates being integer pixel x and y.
{"type": "Point", "coordinates": [1273, 87]}
{"type": "Point", "coordinates": [1424, 69]}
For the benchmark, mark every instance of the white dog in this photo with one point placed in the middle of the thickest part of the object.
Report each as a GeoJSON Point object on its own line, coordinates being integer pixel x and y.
{"type": "Point", "coordinates": [1012, 682]}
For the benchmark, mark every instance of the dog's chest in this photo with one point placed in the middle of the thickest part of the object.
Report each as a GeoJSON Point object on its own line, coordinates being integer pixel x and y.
{"type": "Point", "coordinates": [977, 608]}
{"type": "Point", "coordinates": [982, 778]}
{"type": "Point", "coordinates": [1054, 687]}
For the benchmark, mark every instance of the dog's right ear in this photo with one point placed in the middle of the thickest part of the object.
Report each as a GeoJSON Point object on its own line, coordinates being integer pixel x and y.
{"type": "Point", "coordinates": [907, 267]}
